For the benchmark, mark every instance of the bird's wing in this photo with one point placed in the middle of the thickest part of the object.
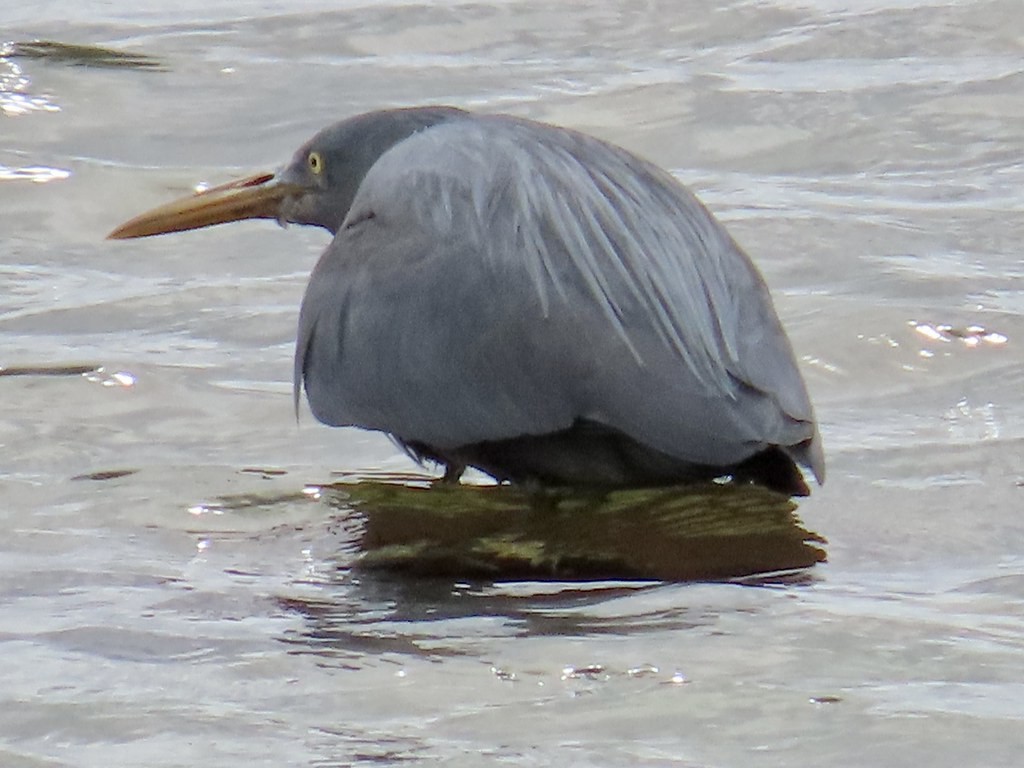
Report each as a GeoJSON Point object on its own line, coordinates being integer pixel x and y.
{"type": "Point", "coordinates": [516, 277]}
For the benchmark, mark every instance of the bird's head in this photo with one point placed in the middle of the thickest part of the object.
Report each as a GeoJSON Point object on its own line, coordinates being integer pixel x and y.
{"type": "Point", "coordinates": [317, 187]}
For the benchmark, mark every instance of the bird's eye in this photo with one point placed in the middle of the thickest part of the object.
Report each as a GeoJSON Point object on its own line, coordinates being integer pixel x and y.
{"type": "Point", "coordinates": [316, 163]}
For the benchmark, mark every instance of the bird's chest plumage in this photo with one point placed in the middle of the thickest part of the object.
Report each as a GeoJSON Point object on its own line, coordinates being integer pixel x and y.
{"type": "Point", "coordinates": [419, 338]}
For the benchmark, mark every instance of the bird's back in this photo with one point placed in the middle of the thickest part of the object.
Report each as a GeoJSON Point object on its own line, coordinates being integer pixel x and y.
{"type": "Point", "coordinates": [499, 279]}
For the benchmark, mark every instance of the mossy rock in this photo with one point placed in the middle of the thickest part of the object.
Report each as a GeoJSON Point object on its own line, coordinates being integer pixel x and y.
{"type": "Point", "coordinates": [698, 532]}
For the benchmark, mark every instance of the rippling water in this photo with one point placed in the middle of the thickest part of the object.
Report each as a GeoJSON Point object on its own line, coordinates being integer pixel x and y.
{"type": "Point", "coordinates": [170, 596]}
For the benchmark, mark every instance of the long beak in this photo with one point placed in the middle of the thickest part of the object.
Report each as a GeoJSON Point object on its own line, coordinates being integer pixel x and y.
{"type": "Point", "coordinates": [255, 197]}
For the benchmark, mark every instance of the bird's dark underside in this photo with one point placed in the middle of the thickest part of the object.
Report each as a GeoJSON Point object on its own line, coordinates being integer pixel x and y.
{"type": "Point", "coordinates": [592, 455]}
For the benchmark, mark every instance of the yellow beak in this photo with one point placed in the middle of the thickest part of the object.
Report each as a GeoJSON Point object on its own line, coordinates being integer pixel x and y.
{"type": "Point", "coordinates": [255, 197]}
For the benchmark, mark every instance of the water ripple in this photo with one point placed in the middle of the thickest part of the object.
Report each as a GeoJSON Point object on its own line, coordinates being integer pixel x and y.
{"type": "Point", "coordinates": [40, 174]}
{"type": "Point", "coordinates": [15, 98]}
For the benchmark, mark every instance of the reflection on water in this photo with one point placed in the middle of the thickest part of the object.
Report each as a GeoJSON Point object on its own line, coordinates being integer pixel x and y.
{"type": "Point", "coordinates": [709, 531]}
{"type": "Point", "coordinates": [415, 569]}
{"type": "Point", "coordinates": [971, 335]}
{"type": "Point", "coordinates": [15, 98]}
{"type": "Point", "coordinates": [370, 614]}
{"type": "Point", "coordinates": [40, 174]}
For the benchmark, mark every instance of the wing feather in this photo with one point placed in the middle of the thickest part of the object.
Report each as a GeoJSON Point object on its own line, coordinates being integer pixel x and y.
{"type": "Point", "coordinates": [526, 276]}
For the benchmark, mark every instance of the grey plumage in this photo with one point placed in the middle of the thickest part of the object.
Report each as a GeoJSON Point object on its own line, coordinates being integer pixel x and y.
{"type": "Point", "coordinates": [531, 301]}
{"type": "Point", "coordinates": [496, 278]}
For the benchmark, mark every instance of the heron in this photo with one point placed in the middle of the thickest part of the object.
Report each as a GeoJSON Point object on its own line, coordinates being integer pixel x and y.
{"type": "Point", "coordinates": [528, 300]}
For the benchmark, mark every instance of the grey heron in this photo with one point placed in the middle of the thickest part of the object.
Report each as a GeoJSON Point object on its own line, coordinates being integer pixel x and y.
{"type": "Point", "coordinates": [527, 300]}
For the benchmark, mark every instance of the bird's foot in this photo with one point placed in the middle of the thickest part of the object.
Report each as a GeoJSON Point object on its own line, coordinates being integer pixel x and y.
{"type": "Point", "coordinates": [452, 473]}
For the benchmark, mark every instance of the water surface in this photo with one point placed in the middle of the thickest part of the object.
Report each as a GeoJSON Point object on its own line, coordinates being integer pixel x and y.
{"type": "Point", "coordinates": [170, 596]}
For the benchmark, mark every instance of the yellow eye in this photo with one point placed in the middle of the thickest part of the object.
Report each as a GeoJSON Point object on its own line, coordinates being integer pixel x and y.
{"type": "Point", "coordinates": [316, 163]}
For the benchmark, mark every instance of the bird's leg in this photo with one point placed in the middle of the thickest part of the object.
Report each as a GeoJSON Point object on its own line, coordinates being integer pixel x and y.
{"type": "Point", "coordinates": [452, 472]}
